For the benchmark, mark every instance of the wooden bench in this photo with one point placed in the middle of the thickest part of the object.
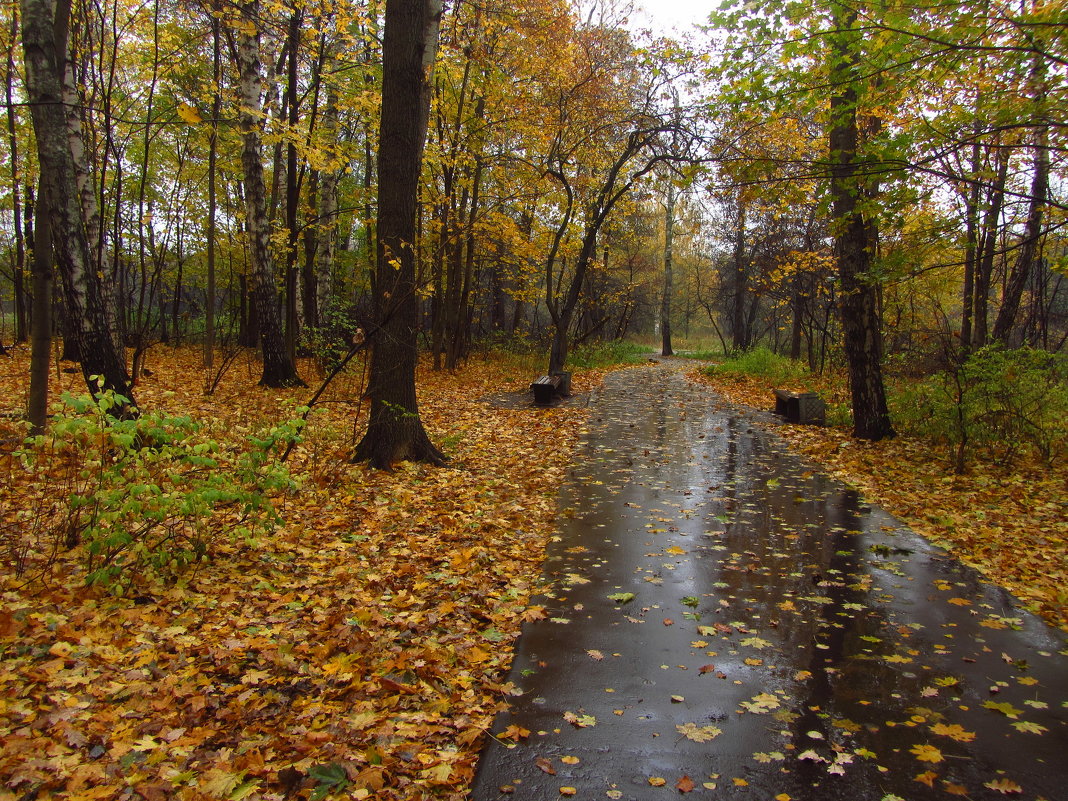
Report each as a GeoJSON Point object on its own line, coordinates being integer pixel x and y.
{"type": "Point", "coordinates": [800, 407]}
{"type": "Point", "coordinates": [545, 388]}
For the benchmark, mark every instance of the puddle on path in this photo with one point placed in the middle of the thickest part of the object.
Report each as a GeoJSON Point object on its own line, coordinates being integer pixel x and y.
{"type": "Point", "coordinates": [727, 619]}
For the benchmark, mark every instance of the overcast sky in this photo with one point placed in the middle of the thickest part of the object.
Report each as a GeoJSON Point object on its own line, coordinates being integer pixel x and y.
{"type": "Point", "coordinates": [667, 14]}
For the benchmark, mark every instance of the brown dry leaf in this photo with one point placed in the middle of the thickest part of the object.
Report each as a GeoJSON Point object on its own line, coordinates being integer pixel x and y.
{"type": "Point", "coordinates": [685, 785]}
{"type": "Point", "coordinates": [545, 766]}
{"type": "Point", "coordinates": [1004, 786]}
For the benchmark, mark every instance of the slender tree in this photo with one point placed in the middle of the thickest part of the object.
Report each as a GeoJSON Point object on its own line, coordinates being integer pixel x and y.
{"type": "Point", "coordinates": [279, 369]}
{"type": "Point", "coordinates": [669, 278]}
{"type": "Point", "coordinates": [395, 431]}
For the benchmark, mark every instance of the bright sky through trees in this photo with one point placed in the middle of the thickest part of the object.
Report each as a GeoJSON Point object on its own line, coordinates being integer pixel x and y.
{"type": "Point", "coordinates": [665, 15]}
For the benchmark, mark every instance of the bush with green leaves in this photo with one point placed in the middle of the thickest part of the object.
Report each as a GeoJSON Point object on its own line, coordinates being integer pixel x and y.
{"type": "Point", "coordinates": [1007, 401]}
{"type": "Point", "coordinates": [763, 363]}
{"type": "Point", "coordinates": [142, 496]}
{"type": "Point", "coordinates": [332, 339]}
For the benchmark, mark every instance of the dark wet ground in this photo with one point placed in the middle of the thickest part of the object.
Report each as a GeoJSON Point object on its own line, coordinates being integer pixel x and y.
{"type": "Point", "coordinates": [728, 622]}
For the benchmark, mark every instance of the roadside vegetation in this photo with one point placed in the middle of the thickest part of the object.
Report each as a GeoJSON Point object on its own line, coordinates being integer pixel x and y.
{"type": "Point", "coordinates": [979, 464]}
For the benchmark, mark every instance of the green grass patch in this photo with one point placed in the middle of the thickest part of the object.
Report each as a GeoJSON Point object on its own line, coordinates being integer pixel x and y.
{"type": "Point", "coordinates": [762, 363]}
{"type": "Point", "coordinates": [607, 354]}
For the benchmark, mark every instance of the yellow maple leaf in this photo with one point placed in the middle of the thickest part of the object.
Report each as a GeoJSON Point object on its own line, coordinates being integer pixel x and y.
{"type": "Point", "coordinates": [657, 781]}
{"type": "Point", "coordinates": [926, 753]}
{"type": "Point", "coordinates": [189, 114]}
{"type": "Point", "coordinates": [954, 731]}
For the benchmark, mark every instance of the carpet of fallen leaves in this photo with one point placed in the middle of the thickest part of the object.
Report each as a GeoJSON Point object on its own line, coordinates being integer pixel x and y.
{"type": "Point", "coordinates": [359, 648]}
{"type": "Point", "coordinates": [1009, 522]}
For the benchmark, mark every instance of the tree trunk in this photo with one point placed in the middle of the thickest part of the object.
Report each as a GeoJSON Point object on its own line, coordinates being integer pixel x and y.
{"type": "Point", "coordinates": [19, 267]}
{"type": "Point", "coordinates": [395, 431]}
{"type": "Point", "coordinates": [213, 155]}
{"type": "Point", "coordinates": [326, 231]}
{"type": "Point", "coordinates": [665, 300]}
{"type": "Point", "coordinates": [292, 322]}
{"type": "Point", "coordinates": [44, 43]}
{"type": "Point", "coordinates": [40, 320]}
{"type": "Point", "coordinates": [988, 248]}
{"type": "Point", "coordinates": [739, 330]}
{"type": "Point", "coordinates": [1031, 246]}
{"type": "Point", "coordinates": [859, 310]}
{"type": "Point", "coordinates": [279, 369]}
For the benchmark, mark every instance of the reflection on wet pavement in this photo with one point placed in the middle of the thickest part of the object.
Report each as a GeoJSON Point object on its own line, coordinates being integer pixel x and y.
{"type": "Point", "coordinates": [725, 620]}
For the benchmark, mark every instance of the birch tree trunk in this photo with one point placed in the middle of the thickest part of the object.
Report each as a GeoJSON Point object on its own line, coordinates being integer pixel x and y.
{"type": "Point", "coordinates": [279, 369]}
{"type": "Point", "coordinates": [44, 44]}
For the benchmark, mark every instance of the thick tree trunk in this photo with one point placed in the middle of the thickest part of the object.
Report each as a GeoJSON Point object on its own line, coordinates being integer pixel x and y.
{"type": "Point", "coordinates": [859, 310]}
{"type": "Point", "coordinates": [394, 431]}
{"type": "Point", "coordinates": [44, 42]}
{"type": "Point", "coordinates": [279, 369]}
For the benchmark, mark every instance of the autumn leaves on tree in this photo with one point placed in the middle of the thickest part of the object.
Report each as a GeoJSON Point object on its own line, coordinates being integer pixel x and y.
{"type": "Point", "coordinates": [820, 180]}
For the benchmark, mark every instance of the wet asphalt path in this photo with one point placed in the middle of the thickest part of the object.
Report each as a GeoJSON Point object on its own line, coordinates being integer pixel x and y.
{"type": "Point", "coordinates": [727, 622]}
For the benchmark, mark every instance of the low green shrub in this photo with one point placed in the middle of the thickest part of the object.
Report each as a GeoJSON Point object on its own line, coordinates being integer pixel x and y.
{"type": "Point", "coordinates": [1007, 401]}
{"type": "Point", "coordinates": [332, 339]}
{"type": "Point", "coordinates": [607, 354]}
{"type": "Point", "coordinates": [762, 363]}
{"type": "Point", "coordinates": [141, 497]}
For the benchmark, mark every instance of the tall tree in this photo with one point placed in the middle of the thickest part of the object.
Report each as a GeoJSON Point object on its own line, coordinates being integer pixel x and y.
{"type": "Point", "coordinates": [853, 226]}
{"type": "Point", "coordinates": [279, 368]}
{"type": "Point", "coordinates": [669, 277]}
{"type": "Point", "coordinates": [44, 41]}
{"type": "Point", "coordinates": [395, 431]}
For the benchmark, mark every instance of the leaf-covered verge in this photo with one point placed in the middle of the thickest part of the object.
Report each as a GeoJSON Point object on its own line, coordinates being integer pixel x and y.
{"type": "Point", "coordinates": [1009, 522]}
{"type": "Point", "coordinates": [357, 649]}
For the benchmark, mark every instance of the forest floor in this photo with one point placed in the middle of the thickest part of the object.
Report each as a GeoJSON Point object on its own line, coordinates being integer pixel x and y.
{"type": "Point", "coordinates": [362, 645]}
{"type": "Point", "coordinates": [1008, 521]}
